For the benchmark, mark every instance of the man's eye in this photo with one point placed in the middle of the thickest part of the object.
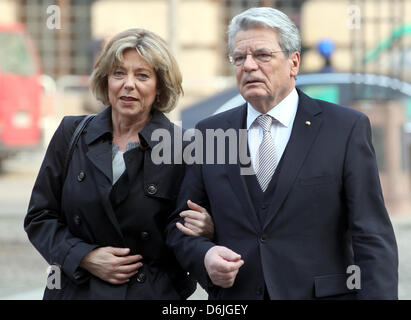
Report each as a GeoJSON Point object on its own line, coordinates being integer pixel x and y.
{"type": "Point", "coordinates": [238, 58]}
{"type": "Point", "coordinates": [262, 55]}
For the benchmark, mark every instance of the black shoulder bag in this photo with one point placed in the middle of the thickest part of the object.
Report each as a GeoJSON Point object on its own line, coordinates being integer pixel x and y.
{"type": "Point", "coordinates": [74, 140]}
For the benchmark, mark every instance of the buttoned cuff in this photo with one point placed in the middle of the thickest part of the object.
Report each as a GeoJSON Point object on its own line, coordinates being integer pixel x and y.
{"type": "Point", "coordinates": [71, 266]}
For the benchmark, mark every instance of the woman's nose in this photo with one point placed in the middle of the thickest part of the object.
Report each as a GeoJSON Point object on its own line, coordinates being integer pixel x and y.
{"type": "Point", "coordinates": [129, 83]}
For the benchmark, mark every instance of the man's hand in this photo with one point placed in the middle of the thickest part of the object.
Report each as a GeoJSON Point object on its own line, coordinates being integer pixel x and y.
{"type": "Point", "coordinates": [197, 221]}
{"type": "Point", "coordinates": [111, 264]}
{"type": "Point", "coordinates": [222, 265]}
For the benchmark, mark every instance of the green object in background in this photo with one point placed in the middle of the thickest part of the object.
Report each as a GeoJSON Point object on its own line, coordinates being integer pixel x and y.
{"type": "Point", "coordinates": [14, 55]}
{"type": "Point", "coordinates": [408, 109]}
{"type": "Point", "coordinates": [328, 93]}
{"type": "Point", "coordinates": [385, 44]}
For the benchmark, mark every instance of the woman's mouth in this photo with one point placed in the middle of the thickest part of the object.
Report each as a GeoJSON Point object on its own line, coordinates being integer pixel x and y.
{"type": "Point", "coordinates": [127, 98]}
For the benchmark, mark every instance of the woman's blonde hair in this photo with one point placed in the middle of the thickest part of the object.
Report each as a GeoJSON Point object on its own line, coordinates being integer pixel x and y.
{"type": "Point", "coordinates": [151, 48]}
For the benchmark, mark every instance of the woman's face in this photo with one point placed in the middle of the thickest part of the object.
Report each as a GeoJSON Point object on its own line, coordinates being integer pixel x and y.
{"type": "Point", "coordinates": [132, 86]}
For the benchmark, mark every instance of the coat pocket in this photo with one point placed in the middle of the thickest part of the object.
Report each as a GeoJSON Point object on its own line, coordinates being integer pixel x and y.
{"type": "Point", "coordinates": [331, 285]}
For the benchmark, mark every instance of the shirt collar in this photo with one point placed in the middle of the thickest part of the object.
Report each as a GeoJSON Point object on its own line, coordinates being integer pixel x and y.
{"type": "Point", "coordinates": [284, 112]}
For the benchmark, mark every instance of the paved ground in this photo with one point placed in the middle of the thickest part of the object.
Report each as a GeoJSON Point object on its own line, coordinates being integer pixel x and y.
{"type": "Point", "coordinates": [402, 227]}
{"type": "Point", "coordinates": [23, 270]}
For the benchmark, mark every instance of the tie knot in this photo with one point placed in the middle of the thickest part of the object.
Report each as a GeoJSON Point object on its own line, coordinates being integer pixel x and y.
{"type": "Point", "coordinates": [265, 121]}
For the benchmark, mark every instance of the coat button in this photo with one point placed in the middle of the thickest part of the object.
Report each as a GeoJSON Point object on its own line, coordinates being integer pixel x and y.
{"type": "Point", "coordinates": [259, 291]}
{"type": "Point", "coordinates": [141, 277]}
{"type": "Point", "coordinates": [263, 238]}
{"type": "Point", "coordinates": [77, 219]}
{"type": "Point", "coordinates": [81, 176]}
{"type": "Point", "coordinates": [77, 275]}
{"type": "Point", "coordinates": [145, 235]}
{"type": "Point", "coordinates": [152, 189]}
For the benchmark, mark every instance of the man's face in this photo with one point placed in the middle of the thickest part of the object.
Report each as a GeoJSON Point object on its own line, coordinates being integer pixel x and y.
{"type": "Point", "coordinates": [264, 84]}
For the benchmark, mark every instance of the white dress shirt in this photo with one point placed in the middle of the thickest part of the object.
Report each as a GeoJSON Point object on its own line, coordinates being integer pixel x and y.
{"type": "Point", "coordinates": [284, 115]}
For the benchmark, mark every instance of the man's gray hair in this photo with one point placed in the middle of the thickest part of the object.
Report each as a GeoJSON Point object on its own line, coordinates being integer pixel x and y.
{"type": "Point", "coordinates": [289, 37]}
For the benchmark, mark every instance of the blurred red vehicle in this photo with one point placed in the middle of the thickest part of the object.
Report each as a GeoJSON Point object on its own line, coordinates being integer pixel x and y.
{"type": "Point", "coordinates": [20, 91]}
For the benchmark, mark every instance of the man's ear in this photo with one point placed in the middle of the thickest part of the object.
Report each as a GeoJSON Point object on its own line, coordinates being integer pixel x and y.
{"type": "Point", "coordinates": [294, 60]}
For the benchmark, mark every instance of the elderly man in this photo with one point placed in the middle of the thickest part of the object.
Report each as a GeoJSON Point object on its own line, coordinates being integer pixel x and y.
{"type": "Point", "coordinates": [311, 223]}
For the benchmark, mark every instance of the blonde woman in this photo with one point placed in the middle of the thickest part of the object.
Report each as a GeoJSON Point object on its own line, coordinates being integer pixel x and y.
{"type": "Point", "coordinates": [103, 224]}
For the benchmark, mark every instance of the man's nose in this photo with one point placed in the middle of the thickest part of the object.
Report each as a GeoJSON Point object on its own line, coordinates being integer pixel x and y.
{"type": "Point", "coordinates": [249, 63]}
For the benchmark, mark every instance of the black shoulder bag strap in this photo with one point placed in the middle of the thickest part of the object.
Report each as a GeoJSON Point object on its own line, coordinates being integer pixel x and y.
{"type": "Point", "coordinates": [74, 140]}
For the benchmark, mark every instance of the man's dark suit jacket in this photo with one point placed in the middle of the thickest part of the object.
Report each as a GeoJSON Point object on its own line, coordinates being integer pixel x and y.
{"type": "Point", "coordinates": [326, 214]}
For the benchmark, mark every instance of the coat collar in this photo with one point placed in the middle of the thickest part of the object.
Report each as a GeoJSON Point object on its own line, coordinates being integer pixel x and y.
{"type": "Point", "coordinates": [239, 117]}
{"type": "Point", "coordinates": [102, 125]}
{"type": "Point", "coordinates": [158, 121]}
{"type": "Point", "coordinates": [100, 154]}
{"type": "Point", "coordinates": [99, 126]}
{"type": "Point", "coordinates": [99, 148]}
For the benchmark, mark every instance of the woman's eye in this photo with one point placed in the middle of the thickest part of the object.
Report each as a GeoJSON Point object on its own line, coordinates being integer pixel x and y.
{"type": "Point", "coordinates": [118, 73]}
{"type": "Point", "coordinates": [143, 76]}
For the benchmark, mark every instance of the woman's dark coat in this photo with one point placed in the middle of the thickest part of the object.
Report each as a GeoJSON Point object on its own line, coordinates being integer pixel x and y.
{"type": "Point", "coordinates": [64, 224]}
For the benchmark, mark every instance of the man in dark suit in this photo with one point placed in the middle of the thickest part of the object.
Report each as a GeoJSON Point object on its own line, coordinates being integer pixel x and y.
{"type": "Point", "coordinates": [311, 223]}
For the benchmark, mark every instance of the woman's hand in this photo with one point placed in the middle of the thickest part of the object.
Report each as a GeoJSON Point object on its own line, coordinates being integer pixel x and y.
{"type": "Point", "coordinates": [197, 221]}
{"type": "Point", "coordinates": [110, 264]}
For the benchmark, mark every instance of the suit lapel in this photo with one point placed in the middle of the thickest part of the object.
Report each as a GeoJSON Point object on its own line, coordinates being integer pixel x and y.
{"type": "Point", "coordinates": [307, 124]}
{"type": "Point", "coordinates": [237, 122]}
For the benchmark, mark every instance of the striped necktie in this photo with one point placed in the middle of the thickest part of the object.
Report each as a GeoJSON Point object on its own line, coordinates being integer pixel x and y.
{"type": "Point", "coordinates": [267, 160]}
